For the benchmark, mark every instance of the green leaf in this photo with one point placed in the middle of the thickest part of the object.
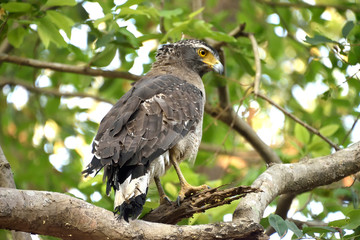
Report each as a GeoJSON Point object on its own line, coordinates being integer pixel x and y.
{"type": "Point", "coordinates": [49, 33]}
{"type": "Point", "coordinates": [107, 17]}
{"type": "Point", "coordinates": [354, 55]}
{"type": "Point", "coordinates": [318, 39]}
{"type": "Point", "coordinates": [339, 223]}
{"type": "Point", "coordinates": [170, 13]}
{"type": "Point", "coordinates": [145, 11]}
{"type": "Point", "coordinates": [193, 14]}
{"type": "Point", "coordinates": [354, 219]}
{"type": "Point", "coordinates": [61, 21]}
{"type": "Point", "coordinates": [278, 224]}
{"type": "Point", "coordinates": [129, 3]}
{"type": "Point", "coordinates": [301, 134]}
{"type": "Point", "coordinates": [347, 28]}
{"type": "Point", "coordinates": [105, 57]}
{"type": "Point", "coordinates": [292, 226]}
{"type": "Point", "coordinates": [125, 37]}
{"type": "Point", "coordinates": [329, 130]}
{"type": "Point", "coordinates": [53, 3]}
{"type": "Point", "coordinates": [16, 7]}
{"type": "Point", "coordinates": [321, 230]}
{"type": "Point", "coordinates": [243, 62]}
{"type": "Point", "coordinates": [16, 36]}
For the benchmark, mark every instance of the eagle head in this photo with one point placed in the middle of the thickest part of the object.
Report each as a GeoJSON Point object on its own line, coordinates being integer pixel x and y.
{"type": "Point", "coordinates": [191, 53]}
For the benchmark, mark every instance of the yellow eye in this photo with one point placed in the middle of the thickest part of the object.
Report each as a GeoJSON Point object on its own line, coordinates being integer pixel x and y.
{"type": "Point", "coordinates": [202, 52]}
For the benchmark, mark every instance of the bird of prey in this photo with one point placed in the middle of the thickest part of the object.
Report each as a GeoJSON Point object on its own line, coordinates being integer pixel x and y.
{"type": "Point", "coordinates": [156, 124]}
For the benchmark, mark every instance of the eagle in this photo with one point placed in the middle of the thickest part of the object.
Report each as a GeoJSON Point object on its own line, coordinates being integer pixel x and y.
{"type": "Point", "coordinates": [156, 124]}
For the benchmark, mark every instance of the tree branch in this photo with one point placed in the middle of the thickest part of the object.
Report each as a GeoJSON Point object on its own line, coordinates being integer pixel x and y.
{"type": "Point", "coordinates": [200, 202]}
{"type": "Point", "coordinates": [7, 181]}
{"type": "Point", "coordinates": [305, 5]}
{"type": "Point", "coordinates": [297, 178]}
{"type": "Point", "coordinates": [248, 156]}
{"type": "Point", "coordinates": [85, 70]}
{"type": "Point", "coordinates": [47, 91]}
{"type": "Point", "coordinates": [239, 125]}
{"type": "Point", "coordinates": [66, 217]}
{"type": "Point", "coordinates": [255, 48]}
{"type": "Point", "coordinates": [296, 119]}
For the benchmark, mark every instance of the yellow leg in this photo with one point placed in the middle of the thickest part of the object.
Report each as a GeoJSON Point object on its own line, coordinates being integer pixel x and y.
{"type": "Point", "coordinates": [164, 199]}
{"type": "Point", "coordinates": [185, 188]}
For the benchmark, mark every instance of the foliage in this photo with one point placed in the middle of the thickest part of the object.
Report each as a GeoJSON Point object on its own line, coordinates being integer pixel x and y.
{"type": "Point", "coordinates": [310, 66]}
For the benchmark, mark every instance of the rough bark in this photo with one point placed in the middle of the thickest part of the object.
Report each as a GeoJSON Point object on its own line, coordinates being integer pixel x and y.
{"type": "Point", "coordinates": [200, 202]}
{"type": "Point", "coordinates": [297, 178]}
{"type": "Point", "coordinates": [7, 181]}
{"type": "Point", "coordinates": [66, 217]}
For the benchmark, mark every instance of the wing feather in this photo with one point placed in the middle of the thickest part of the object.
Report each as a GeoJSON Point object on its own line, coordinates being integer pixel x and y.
{"type": "Point", "coordinates": [146, 122]}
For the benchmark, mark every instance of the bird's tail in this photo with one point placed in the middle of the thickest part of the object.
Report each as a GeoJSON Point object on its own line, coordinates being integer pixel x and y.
{"type": "Point", "coordinates": [130, 196]}
{"type": "Point", "coordinates": [130, 184]}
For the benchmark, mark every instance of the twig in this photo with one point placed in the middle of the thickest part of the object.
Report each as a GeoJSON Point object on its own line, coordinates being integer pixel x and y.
{"type": "Point", "coordinates": [236, 32]}
{"type": "Point", "coordinates": [67, 68]}
{"type": "Point", "coordinates": [200, 202]}
{"type": "Point", "coordinates": [162, 19]}
{"type": "Point", "coordinates": [305, 5]}
{"type": "Point", "coordinates": [350, 130]}
{"type": "Point", "coordinates": [233, 121]}
{"type": "Point", "coordinates": [252, 157]}
{"type": "Point", "coordinates": [52, 92]}
{"type": "Point", "coordinates": [296, 119]}
{"type": "Point", "coordinates": [240, 126]}
{"type": "Point", "coordinates": [196, 5]}
{"type": "Point", "coordinates": [255, 48]}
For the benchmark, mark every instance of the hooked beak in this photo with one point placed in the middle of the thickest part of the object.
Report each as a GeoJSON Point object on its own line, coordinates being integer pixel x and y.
{"type": "Point", "coordinates": [218, 67]}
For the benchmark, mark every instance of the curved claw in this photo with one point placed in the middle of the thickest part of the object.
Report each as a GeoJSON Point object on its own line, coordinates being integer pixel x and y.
{"type": "Point", "coordinates": [164, 199]}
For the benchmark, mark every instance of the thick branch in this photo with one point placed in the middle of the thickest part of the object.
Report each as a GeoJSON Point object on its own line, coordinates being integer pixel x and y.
{"type": "Point", "coordinates": [85, 70]}
{"type": "Point", "coordinates": [230, 118]}
{"type": "Point", "coordinates": [297, 178]}
{"type": "Point", "coordinates": [66, 217]}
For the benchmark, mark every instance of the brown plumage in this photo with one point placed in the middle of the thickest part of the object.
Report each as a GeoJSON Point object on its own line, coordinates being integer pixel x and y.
{"type": "Point", "coordinates": [156, 123]}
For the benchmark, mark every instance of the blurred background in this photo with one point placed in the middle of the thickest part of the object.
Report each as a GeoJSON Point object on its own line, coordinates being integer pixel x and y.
{"type": "Point", "coordinates": [309, 52]}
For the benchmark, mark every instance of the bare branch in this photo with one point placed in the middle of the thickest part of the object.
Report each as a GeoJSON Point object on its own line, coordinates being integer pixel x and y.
{"type": "Point", "coordinates": [200, 202]}
{"type": "Point", "coordinates": [85, 70]}
{"type": "Point", "coordinates": [305, 5]}
{"type": "Point", "coordinates": [66, 217]}
{"type": "Point", "coordinates": [47, 91]}
{"type": "Point", "coordinates": [296, 119]}
{"type": "Point", "coordinates": [351, 129]}
{"type": "Point", "coordinates": [255, 48]}
{"type": "Point", "coordinates": [246, 131]}
{"type": "Point", "coordinates": [297, 178]}
{"type": "Point", "coordinates": [162, 19]}
{"type": "Point", "coordinates": [196, 5]}
{"type": "Point", "coordinates": [249, 156]}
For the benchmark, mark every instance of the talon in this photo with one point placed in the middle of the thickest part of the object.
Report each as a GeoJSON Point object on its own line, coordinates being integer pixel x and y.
{"type": "Point", "coordinates": [165, 200]}
{"type": "Point", "coordinates": [179, 200]}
